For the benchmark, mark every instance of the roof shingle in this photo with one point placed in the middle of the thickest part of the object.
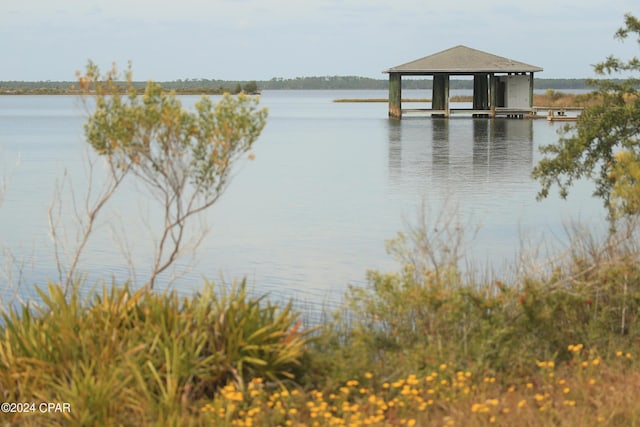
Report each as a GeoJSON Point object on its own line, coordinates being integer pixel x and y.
{"type": "Point", "coordinates": [463, 60]}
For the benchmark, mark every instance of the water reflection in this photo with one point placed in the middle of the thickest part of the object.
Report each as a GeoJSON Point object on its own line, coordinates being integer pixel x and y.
{"type": "Point", "coordinates": [440, 155]}
{"type": "Point", "coordinates": [395, 149]}
{"type": "Point", "coordinates": [496, 142]}
{"type": "Point", "coordinates": [459, 154]}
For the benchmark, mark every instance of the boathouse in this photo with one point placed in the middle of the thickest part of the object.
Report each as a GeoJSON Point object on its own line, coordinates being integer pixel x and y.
{"type": "Point", "coordinates": [501, 86]}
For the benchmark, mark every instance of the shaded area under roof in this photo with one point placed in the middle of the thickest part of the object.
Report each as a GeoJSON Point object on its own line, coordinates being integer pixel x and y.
{"type": "Point", "coordinates": [463, 60]}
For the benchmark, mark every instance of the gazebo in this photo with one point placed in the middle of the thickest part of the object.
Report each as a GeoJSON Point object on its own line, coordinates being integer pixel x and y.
{"type": "Point", "coordinates": [501, 86]}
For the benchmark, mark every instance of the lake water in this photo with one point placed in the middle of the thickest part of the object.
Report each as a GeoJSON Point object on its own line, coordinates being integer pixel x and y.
{"type": "Point", "coordinates": [329, 184]}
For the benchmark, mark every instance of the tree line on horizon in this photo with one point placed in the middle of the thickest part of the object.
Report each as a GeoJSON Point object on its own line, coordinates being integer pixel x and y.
{"type": "Point", "coordinates": [216, 86]}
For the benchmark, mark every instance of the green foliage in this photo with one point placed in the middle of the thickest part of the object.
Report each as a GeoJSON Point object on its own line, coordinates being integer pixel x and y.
{"type": "Point", "coordinates": [587, 149]}
{"type": "Point", "coordinates": [251, 87]}
{"type": "Point", "coordinates": [124, 357]}
{"type": "Point", "coordinates": [165, 143]}
{"type": "Point", "coordinates": [625, 194]}
{"type": "Point", "coordinates": [552, 94]}
{"type": "Point", "coordinates": [184, 158]}
{"type": "Point", "coordinates": [408, 322]}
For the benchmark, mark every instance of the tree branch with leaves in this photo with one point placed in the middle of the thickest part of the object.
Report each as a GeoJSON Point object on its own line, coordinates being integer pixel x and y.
{"type": "Point", "coordinates": [590, 148]}
{"type": "Point", "coordinates": [183, 157]}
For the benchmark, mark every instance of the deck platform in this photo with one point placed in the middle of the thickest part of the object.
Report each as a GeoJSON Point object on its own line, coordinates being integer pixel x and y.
{"type": "Point", "coordinates": [498, 112]}
{"type": "Point", "coordinates": [549, 113]}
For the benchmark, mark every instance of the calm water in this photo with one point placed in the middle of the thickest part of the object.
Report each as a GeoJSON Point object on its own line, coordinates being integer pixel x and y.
{"type": "Point", "coordinates": [330, 183]}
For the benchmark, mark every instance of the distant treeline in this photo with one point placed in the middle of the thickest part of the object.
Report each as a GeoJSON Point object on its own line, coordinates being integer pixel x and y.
{"type": "Point", "coordinates": [213, 86]}
{"type": "Point", "coordinates": [354, 82]}
{"type": "Point", "coordinates": [196, 87]}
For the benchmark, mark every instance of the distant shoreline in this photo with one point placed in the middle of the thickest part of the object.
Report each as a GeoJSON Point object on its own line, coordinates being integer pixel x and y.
{"type": "Point", "coordinates": [550, 98]}
{"type": "Point", "coordinates": [218, 87]}
{"type": "Point", "coordinates": [69, 92]}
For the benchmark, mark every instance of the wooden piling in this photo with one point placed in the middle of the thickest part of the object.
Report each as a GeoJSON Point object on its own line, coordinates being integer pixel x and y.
{"type": "Point", "coordinates": [440, 97]}
{"type": "Point", "coordinates": [395, 95]}
{"type": "Point", "coordinates": [530, 90]}
{"type": "Point", "coordinates": [492, 94]}
{"type": "Point", "coordinates": [480, 93]}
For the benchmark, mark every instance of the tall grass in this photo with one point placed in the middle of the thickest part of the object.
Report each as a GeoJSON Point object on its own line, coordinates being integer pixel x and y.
{"type": "Point", "coordinates": [552, 98]}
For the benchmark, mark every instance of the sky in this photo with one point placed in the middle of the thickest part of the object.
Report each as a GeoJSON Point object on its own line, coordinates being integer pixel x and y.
{"type": "Point", "coordinates": [265, 39]}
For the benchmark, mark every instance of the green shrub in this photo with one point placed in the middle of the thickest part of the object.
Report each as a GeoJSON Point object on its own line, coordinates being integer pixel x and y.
{"type": "Point", "coordinates": [133, 357]}
{"type": "Point", "coordinates": [409, 321]}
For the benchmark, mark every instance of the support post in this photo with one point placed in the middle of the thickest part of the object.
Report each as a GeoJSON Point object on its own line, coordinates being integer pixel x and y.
{"type": "Point", "coordinates": [480, 93]}
{"type": "Point", "coordinates": [531, 91]}
{"type": "Point", "coordinates": [440, 98]}
{"type": "Point", "coordinates": [492, 94]}
{"type": "Point", "coordinates": [395, 95]}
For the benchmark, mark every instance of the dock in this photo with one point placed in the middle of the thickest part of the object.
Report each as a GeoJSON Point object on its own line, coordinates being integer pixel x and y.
{"type": "Point", "coordinates": [501, 86]}
{"type": "Point", "coordinates": [552, 114]}
{"type": "Point", "coordinates": [555, 114]}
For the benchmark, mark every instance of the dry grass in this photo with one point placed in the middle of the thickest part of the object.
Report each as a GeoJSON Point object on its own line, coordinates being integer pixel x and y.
{"type": "Point", "coordinates": [552, 98]}
{"type": "Point", "coordinates": [586, 392]}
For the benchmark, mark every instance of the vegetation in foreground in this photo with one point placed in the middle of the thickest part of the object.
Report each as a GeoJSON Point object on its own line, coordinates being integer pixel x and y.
{"type": "Point", "coordinates": [420, 346]}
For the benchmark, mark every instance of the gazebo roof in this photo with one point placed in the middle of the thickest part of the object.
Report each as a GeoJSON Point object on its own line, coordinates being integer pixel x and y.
{"type": "Point", "coordinates": [462, 60]}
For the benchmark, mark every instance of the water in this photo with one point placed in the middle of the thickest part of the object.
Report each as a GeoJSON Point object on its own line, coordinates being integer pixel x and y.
{"type": "Point", "coordinates": [330, 183]}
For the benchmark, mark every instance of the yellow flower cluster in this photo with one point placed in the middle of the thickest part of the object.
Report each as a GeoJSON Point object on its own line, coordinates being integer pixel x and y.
{"type": "Point", "coordinates": [575, 348]}
{"type": "Point", "coordinates": [443, 396]}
